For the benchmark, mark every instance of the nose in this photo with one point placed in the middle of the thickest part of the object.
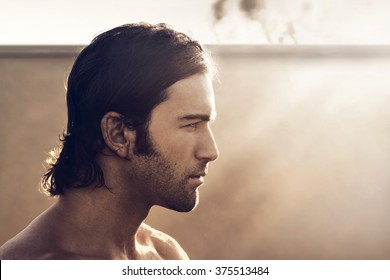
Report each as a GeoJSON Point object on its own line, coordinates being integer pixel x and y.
{"type": "Point", "coordinates": [208, 150]}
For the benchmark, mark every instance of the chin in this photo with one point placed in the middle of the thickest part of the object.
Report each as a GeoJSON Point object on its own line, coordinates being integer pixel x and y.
{"type": "Point", "coordinates": [184, 205]}
{"type": "Point", "coordinates": [180, 200]}
{"type": "Point", "coordinates": [186, 209]}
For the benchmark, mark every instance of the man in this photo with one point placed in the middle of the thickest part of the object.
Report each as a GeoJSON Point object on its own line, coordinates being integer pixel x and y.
{"type": "Point", "coordinates": [140, 102]}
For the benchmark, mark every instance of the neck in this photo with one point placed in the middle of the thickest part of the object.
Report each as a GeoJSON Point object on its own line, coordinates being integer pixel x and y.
{"type": "Point", "coordinates": [105, 222]}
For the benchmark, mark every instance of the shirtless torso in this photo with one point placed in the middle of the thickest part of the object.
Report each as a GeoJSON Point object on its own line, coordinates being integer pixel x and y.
{"type": "Point", "coordinates": [151, 245]}
{"type": "Point", "coordinates": [42, 239]}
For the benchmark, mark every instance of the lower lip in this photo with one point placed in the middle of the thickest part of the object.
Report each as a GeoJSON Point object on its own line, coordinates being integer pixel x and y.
{"type": "Point", "coordinates": [196, 180]}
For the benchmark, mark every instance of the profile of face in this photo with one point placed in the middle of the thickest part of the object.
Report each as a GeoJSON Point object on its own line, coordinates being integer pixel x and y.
{"type": "Point", "coordinates": [182, 144]}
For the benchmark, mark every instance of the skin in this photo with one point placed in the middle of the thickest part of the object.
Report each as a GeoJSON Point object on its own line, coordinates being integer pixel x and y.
{"type": "Point", "coordinates": [97, 223]}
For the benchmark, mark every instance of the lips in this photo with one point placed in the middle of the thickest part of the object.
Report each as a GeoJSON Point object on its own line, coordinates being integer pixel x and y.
{"type": "Point", "coordinates": [203, 174]}
{"type": "Point", "coordinates": [197, 178]}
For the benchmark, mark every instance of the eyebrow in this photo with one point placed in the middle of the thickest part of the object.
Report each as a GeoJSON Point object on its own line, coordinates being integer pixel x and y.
{"type": "Point", "coordinates": [203, 117]}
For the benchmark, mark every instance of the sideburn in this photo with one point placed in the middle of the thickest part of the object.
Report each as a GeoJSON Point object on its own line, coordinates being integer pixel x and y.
{"type": "Point", "coordinates": [143, 143]}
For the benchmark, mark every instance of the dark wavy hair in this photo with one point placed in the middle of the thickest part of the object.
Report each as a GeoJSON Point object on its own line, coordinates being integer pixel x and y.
{"type": "Point", "coordinates": [125, 70]}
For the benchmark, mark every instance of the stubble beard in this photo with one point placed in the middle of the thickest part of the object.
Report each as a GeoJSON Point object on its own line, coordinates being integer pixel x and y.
{"type": "Point", "coordinates": [166, 188]}
{"type": "Point", "coordinates": [160, 180]}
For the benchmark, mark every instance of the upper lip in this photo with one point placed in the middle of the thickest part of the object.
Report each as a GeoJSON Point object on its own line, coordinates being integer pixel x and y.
{"type": "Point", "coordinates": [201, 174]}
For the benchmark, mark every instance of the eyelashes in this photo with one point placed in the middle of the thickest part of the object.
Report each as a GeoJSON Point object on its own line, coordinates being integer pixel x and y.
{"type": "Point", "coordinates": [193, 125]}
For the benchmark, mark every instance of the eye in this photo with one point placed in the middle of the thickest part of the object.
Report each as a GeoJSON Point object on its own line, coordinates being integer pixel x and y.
{"type": "Point", "coordinates": [192, 125]}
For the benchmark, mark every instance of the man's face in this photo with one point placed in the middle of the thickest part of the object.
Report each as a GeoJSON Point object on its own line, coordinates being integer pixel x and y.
{"type": "Point", "coordinates": [183, 144]}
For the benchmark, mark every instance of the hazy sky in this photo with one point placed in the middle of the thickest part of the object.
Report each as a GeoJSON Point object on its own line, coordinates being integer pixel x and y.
{"type": "Point", "coordinates": [209, 21]}
{"type": "Point", "coordinates": [77, 21]}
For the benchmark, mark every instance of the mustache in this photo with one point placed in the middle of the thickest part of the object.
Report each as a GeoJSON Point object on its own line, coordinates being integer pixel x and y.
{"type": "Point", "coordinates": [200, 170]}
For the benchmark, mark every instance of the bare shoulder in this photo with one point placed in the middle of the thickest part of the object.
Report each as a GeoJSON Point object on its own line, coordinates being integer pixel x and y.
{"type": "Point", "coordinates": [20, 248]}
{"type": "Point", "coordinates": [166, 246]}
{"type": "Point", "coordinates": [23, 247]}
{"type": "Point", "coordinates": [32, 243]}
{"type": "Point", "coordinates": [10, 251]}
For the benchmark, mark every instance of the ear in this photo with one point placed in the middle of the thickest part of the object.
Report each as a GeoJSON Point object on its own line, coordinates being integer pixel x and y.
{"type": "Point", "coordinates": [118, 137]}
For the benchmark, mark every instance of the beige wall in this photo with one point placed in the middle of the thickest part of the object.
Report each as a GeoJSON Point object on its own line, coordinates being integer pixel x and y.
{"type": "Point", "coordinates": [304, 138]}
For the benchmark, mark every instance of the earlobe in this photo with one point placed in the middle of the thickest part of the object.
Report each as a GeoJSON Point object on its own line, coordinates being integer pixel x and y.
{"type": "Point", "coordinates": [117, 136]}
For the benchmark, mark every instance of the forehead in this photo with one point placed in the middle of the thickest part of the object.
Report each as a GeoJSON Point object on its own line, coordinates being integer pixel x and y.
{"type": "Point", "coordinates": [193, 95]}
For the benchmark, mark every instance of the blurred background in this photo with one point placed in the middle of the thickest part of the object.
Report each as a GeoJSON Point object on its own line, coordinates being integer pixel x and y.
{"type": "Point", "coordinates": [303, 124]}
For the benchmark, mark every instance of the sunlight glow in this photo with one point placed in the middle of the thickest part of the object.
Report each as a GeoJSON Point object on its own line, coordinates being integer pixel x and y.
{"type": "Point", "coordinates": [74, 22]}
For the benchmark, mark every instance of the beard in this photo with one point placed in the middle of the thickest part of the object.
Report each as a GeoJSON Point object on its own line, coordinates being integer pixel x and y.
{"type": "Point", "coordinates": [166, 187]}
{"type": "Point", "coordinates": [162, 181]}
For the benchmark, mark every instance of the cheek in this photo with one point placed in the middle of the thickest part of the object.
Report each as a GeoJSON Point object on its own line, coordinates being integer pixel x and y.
{"type": "Point", "coordinates": [176, 151]}
{"type": "Point", "coordinates": [174, 143]}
